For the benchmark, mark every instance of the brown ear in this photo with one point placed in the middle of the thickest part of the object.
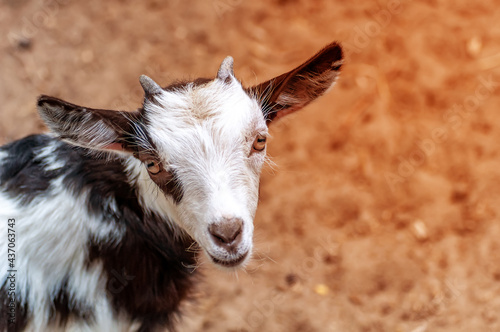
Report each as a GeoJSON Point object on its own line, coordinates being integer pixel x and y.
{"type": "Point", "coordinates": [295, 89]}
{"type": "Point", "coordinates": [91, 128]}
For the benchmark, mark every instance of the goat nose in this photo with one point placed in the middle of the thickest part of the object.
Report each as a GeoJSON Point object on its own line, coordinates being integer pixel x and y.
{"type": "Point", "coordinates": [227, 233]}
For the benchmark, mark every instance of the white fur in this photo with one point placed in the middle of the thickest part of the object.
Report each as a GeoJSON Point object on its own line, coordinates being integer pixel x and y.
{"type": "Point", "coordinates": [205, 134]}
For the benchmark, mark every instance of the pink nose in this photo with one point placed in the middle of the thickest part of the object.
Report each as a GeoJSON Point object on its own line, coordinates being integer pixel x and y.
{"type": "Point", "coordinates": [226, 233]}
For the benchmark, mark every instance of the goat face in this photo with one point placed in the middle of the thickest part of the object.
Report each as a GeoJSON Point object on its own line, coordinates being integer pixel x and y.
{"type": "Point", "coordinates": [198, 147]}
{"type": "Point", "coordinates": [208, 144]}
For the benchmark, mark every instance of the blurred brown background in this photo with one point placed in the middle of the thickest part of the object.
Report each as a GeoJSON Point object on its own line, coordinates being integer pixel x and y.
{"type": "Point", "coordinates": [383, 211]}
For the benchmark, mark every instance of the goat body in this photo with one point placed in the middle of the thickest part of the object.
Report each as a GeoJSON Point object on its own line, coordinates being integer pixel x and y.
{"type": "Point", "coordinates": [101, 220]}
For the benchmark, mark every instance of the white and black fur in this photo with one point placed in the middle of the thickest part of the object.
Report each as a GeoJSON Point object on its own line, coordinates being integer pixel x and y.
{"type": "Point", "coordinates": [111, 207]}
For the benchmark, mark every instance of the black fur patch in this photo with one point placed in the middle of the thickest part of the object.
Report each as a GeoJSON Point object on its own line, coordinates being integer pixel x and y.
{"type": "Point", "coordinates": [22, 176]}
{"type": "Point", "coordinates": [149, 274]}
{"type": "Point", "coordinates": [104, 177]}
{"type": "Point", "coordinates": [172, 187]}
{"type": "Point", "coordinates": [166, 180]}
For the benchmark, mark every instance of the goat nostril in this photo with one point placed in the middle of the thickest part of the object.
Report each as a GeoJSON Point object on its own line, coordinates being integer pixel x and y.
{"type": "Point", "coordinates": [219, 238]}
{"type": "Point", "coordinates": [226, 232]}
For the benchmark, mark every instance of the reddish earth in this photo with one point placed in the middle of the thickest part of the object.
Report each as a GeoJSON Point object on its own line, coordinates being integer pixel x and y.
{"type": "Point", "coordinates": [382, 213]}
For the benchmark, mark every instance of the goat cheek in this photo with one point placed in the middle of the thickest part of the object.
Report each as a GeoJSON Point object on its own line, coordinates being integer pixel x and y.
{"type": "Point", "coordinates": [170, 185]}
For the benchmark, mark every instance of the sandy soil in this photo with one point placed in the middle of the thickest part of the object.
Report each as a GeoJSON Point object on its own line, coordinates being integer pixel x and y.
{"type": "Point", "coordinates": [383, 211]}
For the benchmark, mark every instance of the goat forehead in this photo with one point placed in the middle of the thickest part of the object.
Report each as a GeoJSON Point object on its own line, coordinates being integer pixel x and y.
{"type": "Point", "coordinates": [214, 115]}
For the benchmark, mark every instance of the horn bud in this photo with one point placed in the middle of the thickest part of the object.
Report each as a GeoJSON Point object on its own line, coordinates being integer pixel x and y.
{"type": "Point", "coordinates": [149, 86]}
{"type": "Point", "coordinates": [226, 70]}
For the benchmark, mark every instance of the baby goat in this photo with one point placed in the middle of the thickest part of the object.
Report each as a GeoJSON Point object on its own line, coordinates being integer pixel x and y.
{"type": "Point", "coordinates": [107, 241]}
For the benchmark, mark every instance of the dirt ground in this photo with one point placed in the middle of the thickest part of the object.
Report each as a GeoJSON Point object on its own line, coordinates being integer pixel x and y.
{"type": "Point", "coordinates": [382, 213]}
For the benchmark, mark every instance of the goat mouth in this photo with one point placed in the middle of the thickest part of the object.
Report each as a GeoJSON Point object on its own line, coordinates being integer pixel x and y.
{"type": "Point", "coordinates": [229, 263]}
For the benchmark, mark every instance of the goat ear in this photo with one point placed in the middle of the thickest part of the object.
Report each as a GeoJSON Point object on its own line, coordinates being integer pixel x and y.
{"type": "Point", "coordinates": [86, 127]}
{"type": "Point", "coordinates": [295, 89]}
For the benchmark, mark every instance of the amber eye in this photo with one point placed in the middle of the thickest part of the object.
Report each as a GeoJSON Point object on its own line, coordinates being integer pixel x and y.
{"type": "Point", "coordinates": [152, 166]}
{"type": "Point", "coordinates": [260, 143]}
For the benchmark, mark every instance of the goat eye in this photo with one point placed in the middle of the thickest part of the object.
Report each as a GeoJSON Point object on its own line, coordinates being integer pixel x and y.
{"type": "Point", "coordinates": [260, 143]}
{"type": "Point", "coordinates": [152, 166]}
